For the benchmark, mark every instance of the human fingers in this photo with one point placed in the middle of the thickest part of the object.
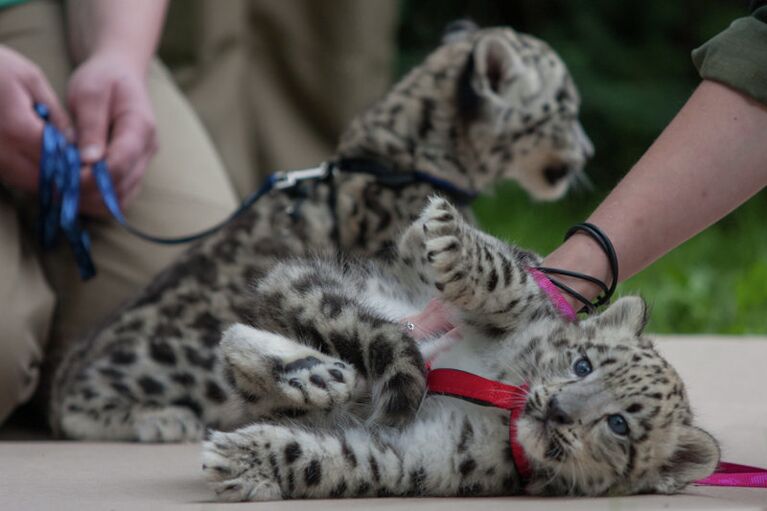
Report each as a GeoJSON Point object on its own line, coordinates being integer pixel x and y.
{"type": "Point", "coordinates": [89, 104]}
{"type": "Point", "coordinates": [132, 146]}
{"type": "Point", "coordinates": [41, 92]}
{"type": "Point", "coordinates": [92, 202]}
{"type": "Point", "coordinates": [132, 183]}
{"type": "Point", "coordinates": [20, 138]}
{"type": "Point", "coordinates": [18, 171]}
{"type": "Point", "coordinates": [434, 319]}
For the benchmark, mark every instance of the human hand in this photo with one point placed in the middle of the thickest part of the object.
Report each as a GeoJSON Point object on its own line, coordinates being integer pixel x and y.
{"type": "Point", "coordinates": [22, 84]}
{"type": "Point", "coordinates": [113, 118]}
{"type": "Point", "coordinates": [433, 329]}
{"type": "Point", "coordinates": [432, 321]}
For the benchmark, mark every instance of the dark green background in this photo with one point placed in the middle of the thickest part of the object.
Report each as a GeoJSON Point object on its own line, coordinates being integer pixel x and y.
{"type": "Point", "coordinates": [631, 61]}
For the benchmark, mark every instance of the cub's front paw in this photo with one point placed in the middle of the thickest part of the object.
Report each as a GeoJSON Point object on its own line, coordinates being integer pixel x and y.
{"type": "Point", "coordinates": [445, 236]}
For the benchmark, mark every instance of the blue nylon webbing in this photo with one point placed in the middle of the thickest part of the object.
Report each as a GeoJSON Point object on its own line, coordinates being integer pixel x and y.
{"type": "Point", "coordinates": [59, 194]}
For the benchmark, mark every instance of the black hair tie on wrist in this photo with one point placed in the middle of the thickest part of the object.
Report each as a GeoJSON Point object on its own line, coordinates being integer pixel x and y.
{"type": "Point", "coordinates": [607, 292]}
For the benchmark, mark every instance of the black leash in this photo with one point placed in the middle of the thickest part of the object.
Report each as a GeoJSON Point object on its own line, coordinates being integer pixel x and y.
{"type": "Point", "coordinates": [390, 177]}
{"type": "Point", "coordinates": [59, 192]}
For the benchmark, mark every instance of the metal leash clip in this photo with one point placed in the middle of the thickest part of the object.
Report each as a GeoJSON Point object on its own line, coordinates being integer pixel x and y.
{"type": "Point", "coordinates": [291, 178]}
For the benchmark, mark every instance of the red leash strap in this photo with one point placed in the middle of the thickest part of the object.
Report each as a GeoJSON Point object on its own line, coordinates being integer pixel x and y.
{"type": "Point", "coordinates": [481, 391]}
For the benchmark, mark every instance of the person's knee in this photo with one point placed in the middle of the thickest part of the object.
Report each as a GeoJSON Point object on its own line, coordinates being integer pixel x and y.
{"type": "Point", "coordinates": [20, 361]}
{"type": "Point", "coordinates": [25, 319]}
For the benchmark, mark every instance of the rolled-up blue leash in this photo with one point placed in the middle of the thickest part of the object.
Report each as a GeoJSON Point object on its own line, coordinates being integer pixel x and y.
{"type": "Point", "coordinates": [59, 196]}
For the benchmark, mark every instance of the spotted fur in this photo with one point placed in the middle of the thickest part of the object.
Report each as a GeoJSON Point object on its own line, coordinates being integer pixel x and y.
{"type": "Point", "coordinates": [486, 106]}
{"type": "Point", "coordinates": [449, 447]}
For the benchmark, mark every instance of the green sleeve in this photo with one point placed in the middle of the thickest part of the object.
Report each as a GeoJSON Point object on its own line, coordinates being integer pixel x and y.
{"type": "Point", "coordinates": [8, 3]}
{"type": "Point", "coordinates": [737, 57]}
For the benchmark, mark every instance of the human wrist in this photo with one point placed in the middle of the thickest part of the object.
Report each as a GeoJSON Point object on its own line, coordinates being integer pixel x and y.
{"type": "Point", "coordinates": [582, 254]}
{"type": "Point", "coordinates": [125, 31]}
{"type": "Point", "coordinates": [121, 57]}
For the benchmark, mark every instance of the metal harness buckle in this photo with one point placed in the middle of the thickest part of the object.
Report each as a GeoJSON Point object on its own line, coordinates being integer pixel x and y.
{"type": "Point", "coordinates": [291, 178]}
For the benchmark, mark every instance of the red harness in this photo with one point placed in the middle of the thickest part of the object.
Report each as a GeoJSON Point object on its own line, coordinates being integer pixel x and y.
{"type": "Point", "coordinates": [479, 390]}
{"type": "Point", "coordinates": [468, 386]}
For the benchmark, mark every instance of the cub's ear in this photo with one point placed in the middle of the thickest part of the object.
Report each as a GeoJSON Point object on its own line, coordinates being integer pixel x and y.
{"type": "Point", "coordinates": [696, 456]}
{"type": "Point", "coordinates": [498, 68]}
{"type": "Point", "coordinates": [457, 30]}
{"type": "Point", "coordinates": [628, 312]}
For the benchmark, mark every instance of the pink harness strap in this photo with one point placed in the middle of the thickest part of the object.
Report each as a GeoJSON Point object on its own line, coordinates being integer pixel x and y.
{"type": "Point", "coordinates": [732, 474]}
{"type": "Point", "coordinates": [562, 305]}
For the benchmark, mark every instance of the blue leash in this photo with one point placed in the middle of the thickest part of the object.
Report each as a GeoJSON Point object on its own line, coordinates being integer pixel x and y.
{"type": "Point", "coordinates": [60, 171]}
{"type": "Point", "coordinates": [59, 193]}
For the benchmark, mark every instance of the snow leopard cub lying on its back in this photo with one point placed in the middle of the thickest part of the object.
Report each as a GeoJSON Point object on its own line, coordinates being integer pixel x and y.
{"type": "Point", "coordinates": [605, 413]}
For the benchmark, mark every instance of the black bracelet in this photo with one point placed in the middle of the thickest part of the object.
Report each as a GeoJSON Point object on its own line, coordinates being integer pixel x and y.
{"type": "Point", "coordinates": [588, 307]}
{"type": "Point", "coordinates": [607, 292]}
{"type": "Point", "coordinates": [600, 237]}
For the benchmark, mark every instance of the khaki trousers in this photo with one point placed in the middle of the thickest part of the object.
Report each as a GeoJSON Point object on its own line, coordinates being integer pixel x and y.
{"type": "Point", "coordinates": [276, 81]}
{"type": "Point", "coordinates": [43, 304]}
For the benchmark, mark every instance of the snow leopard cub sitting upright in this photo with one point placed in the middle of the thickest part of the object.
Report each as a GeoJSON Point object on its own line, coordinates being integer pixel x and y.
{"type": "Point", "coordinates": [486, 106]}
{"type": "Point", "coordinates": [605, 413]}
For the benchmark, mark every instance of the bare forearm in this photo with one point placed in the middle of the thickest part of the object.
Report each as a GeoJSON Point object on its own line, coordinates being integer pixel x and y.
{"type": "Point", "coordinates": [129, 28]}
{"type": "Point", "coordinates": [709, 160]}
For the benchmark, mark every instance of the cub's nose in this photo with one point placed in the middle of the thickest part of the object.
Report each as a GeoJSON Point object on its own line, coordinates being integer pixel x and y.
{"type": "Point", "coordinates": [554, 173]}
{"type": "Point", "coordinates": [555, 414]}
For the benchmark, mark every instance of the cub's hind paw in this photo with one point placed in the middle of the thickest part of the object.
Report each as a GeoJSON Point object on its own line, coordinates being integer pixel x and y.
{"type": "Point", "coordinates": [242, 490]}
{"type": "Point", "coordinates": [239, 467]}
{"type": "Point", "coordinates": [317, 383]}
{"type": "Point", "coordinates": [231, 482]}
{"type": "Point", "coordinates": [290, 374]}
{"type": "Point", "coordinates": [397, 401]}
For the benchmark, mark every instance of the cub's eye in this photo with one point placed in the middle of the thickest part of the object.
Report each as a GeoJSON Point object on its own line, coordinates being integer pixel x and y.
{"type": "Point", "coordinates": [618, 424]}
{"type": "Point", "coordinates": [582, 367]}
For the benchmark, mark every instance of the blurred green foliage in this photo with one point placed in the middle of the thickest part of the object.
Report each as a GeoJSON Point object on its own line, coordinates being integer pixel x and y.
{"type": "Point", "coordinates": [631, 61]}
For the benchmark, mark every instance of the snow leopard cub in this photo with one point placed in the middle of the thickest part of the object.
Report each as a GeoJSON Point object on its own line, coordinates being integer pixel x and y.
{"type": "Point", "coordinates": [488, 105]}
{"type": "Point", "coordinates": [605, 413]}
